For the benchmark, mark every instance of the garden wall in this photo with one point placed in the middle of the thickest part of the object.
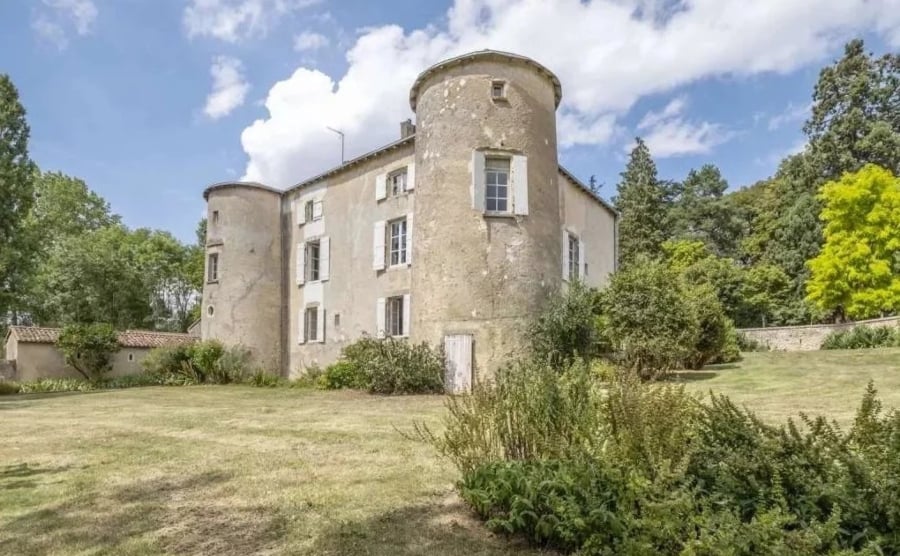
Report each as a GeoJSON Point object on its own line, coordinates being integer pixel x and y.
{"type": "Point", "coordinates": [807, 337]}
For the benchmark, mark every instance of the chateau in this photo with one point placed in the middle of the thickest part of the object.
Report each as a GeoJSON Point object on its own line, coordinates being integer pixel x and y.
{"type": "Point", "coordinates": [456, 234]}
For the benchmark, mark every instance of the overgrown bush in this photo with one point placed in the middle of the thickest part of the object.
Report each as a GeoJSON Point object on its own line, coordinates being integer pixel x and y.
{"type": "Point", "coordinates": [863, 337]}
{"type": "Point", "coordinates": [388, 366]}
{"type": "Point", "coordinates": [567, 329]}
{"type": "Point", "coordinates": [207, 362]}
{"type": "Point", "coordinates": [713, 327]}
{"type": "Point", "coordinates": [88, 348]}
{"type": "Point", "coordinates": [8, 387]}
{"type": "Point", "coordinates": [343, 374]}
{"type": "Point", "coordinates": [47, 385]}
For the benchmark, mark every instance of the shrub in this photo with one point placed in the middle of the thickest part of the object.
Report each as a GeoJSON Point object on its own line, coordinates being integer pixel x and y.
{"type": "Point", "coordinates": [8, 387]}
{"type": "Point", "coordinates": [264, 379]}
{"type": "Point", "coordinates": [207, 362]}
{"type": "Point", "coordinates": [566, 330]}
{"type": "Point", "coordinates": [47, 385]}
{"type": "Point", "coordinates": [311, 378]}
{"type": "Point", "coordinates": [88, 348]}
{"type": "Point", "coordinates": [713, 327]}
{"type": "Point", "coordinates": [343, 374]}
{"type": "Point", "coordinates": [863, 337]}
{"type": "Point", "coordinates": [731, 351]}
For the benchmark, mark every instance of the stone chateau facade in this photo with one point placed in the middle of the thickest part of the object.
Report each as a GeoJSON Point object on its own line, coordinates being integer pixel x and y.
{"type": "Point", "coordinates": [456, 234]}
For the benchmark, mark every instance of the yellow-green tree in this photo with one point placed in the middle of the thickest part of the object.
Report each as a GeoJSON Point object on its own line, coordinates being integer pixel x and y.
{"type": "Point", "coordinates": [858, 269]}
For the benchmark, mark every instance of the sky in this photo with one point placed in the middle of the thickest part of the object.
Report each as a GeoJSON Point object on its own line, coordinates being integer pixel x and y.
{"type": "Point", "coordinates": [150, 101]}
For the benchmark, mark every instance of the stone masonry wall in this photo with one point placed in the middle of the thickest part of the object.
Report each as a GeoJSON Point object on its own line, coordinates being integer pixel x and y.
{"type": "Point", "coordinates": [7, 370]}
{"type": "Point", "coordinates": [806, 338]}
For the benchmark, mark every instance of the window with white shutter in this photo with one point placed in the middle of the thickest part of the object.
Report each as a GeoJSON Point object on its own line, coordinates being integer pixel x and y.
{"type": "Point", "coordinates": [324, 258]}
{"type": "Point", "coordinates": [311, 326]}
{"type": "Point", "coordinates": [379, 317]}
{"type": "Point", "coordinates": [380, 187]}
{"type": "Point", "coordinates": [565, 255]}
{"type": "Point", "coordinates": [320, 324]}
{"type": "Point", "coordinates": [301, 327]}
{"type": "Point", "coordinates": [478, 181]}
{"type": "Point", "coordinates": [378, 245]}
{"type": "Point", "coordinates": [409, 237]}
{"type": "Point", "coordinates": [519, 177]}
{"type": "Point", "coordinates": [301, 264]}
{"type": "Point", "coordinates": [410, 177]}
{"type": "Point", "coordinates": [405, 326]}
{"type": "Point", "coordinates": [317, 210]}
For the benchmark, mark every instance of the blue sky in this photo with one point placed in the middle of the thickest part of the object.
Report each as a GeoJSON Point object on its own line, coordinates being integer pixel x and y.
{"type": "Point", "coordinates": [150, 101]}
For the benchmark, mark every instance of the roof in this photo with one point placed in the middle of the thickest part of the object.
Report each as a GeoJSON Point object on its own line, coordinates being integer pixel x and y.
{"type": "Point", "coordinates": [482, 55]}
{"type": "Point", "coordinates": [578, 183]}
{"type": "Point", "coordinates": [240, 184]}
{"type": "Point", "coordinates": [128, 338]}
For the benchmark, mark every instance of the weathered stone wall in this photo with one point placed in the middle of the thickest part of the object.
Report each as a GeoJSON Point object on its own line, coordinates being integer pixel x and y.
{"type": "Point", "coordinates": [7, 370]}
{"type": "Point", "coordinates": [806, 338]}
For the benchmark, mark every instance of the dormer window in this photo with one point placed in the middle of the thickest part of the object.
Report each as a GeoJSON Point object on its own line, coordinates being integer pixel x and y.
{"type": "Point", "coordinates": [498, 90]}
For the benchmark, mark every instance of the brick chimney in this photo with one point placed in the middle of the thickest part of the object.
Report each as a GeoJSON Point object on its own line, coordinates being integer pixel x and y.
{"type": "Point", "coordinates": [407, 128]}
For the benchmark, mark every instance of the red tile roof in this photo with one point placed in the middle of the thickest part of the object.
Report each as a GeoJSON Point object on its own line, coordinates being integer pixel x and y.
{"type": "Point", "coordinates": [128, 338]}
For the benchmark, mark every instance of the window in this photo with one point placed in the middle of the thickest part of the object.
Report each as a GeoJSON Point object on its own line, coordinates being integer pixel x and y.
{"type": "Point", "coordinates": [498, 90]}
{"type": "Point", "coordinates": [496, 180]}
{"type": "Point", "coordinates": [337, 319]}
{"type": "Point", "coordinates": [308, 210]}
{"type": "Point", "coordinates": [131, 357]}
{"type": "Point", "coordinates": [393, 317]}
{"type": "Point", "coordinates": [215, 217]}
{"type": "Point", "coordinates": [312, 261]}
{"type": "Point", "coordinates": [397, 182]}
{"type": "Point", "coordinates": [397, 242]}
{"type": "Point", "coordinates": [574, 257]}
{"type": "Point", "coordinates": [311, 324]}
{"type": "Point", "coordinates": [212, 268]}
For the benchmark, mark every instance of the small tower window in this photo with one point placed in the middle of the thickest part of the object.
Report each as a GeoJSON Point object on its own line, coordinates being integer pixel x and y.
{"type": "Point", "coordinates": [498, 90]}
{"type": "Point", "coordinates": [131, 357]}
{"type": "Point", "coordinates": [215, 217]}
{"type": "Point", "coordinates": [212, 268]}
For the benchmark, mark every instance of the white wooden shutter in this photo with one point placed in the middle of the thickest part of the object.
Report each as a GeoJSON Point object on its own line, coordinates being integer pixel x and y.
{"type": "Point", "coordinates": [458, 363]}
{"type": "Point", "coordinates": [519, 172]}
{"type": "Point", "coordinates": [324, 258]}
{"type": "Point", "coordinates": [320, 324]}
{"type": "Point", "coordinates": [565, 255]}
{"type": "Point", "coordinates": [317, 210]}
{"type": "Point", "coordinates": [379, 318]}
{"type": "Point", "coordinates": [409, 233]}
{"type": "Point", "coordinates": [478, 181]}
{"type": "Point", "coordinates": [301, 327]}
{"type": "Point", "coordinates": [301, 263]}
{"type": "Point", "coordinates": [380, 187]}
{"type": "Point", "coordinates": [406, 315]}
{"type": "Point", "coordinates": [378, 246]}
{"type": "Point", "coordinates": [581, 259]}
{"type": "Point", "coordinates": [410, 177]}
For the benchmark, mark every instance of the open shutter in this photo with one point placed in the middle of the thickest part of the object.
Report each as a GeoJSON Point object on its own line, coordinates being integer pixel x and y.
{"type": "Point", "coordinates": [565, 255]}
{"type": "Point", "coordinates": [406, 315]}
{"type": "Point", "coordinates": [519, 170]}
{"type": "Point", "coordinates": [317, 210]}
{"type": "Point", "coordinates": [379, 318]}
{"type": "Point", "coordinates": [478, 181]}
{"type": "Point", "coordinates": [301, 327]}
{"type": "Point", "coordinates": [410, 177]}
{"type": "Point", "coordinates": [320, 324]}
{"type": "Point", "coordinates": [324, 258]}
{"type": "Point", "coordinates": [582, 257]}
{"type": "Point", "coordinates": [301, 263]}
{"type": "Point", "coordinates": [409, 235]}
{"type": "Point", "coordinates": [380, 187]}
{"type": "Point", "coordinates": [378, 246]}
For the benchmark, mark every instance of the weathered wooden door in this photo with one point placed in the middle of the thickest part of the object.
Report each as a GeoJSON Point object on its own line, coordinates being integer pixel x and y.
{"type": "Point", "coordinates": [458, 363]}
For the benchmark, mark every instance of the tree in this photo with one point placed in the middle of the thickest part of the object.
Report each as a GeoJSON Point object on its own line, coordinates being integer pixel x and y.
{"type": "Point", "coordinates": [641, 201]}
{"type": "Point", "coordinates": [64, 206]}
{"type": "Point", "coordinates": [858, 270]}
{"type": "Point", "coordinates": [700, 211]}
{"type": "Point", "coordinates": [566, 330]}
{"type": "Point", "coordinates": [855, 116]}
{"type": "Point", "coordinates": [88, 348]}
{"type": "Point", "coordinates": [16, 192]}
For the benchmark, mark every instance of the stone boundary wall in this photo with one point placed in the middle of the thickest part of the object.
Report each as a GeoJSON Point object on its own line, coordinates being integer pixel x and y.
{"type": "Point", "coordinates": [7, 369]}
{"type": "Point", "coordinates": [807, 337]}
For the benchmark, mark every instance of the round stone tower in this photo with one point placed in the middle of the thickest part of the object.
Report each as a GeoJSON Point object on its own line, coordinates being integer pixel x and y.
{"type": "Point", "coordinates": [242, 289]}
{"type": "Point", "coordinates": [484, 267]}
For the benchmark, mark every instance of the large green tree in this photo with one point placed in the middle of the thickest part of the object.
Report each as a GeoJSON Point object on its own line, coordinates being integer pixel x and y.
{"type": "Point", "coordinates": [701, 212]}
{"type": "Point", "coordinates": [16, 193]}
{"type": "Point", "coordinates": [858, 270]}
{"type": "Point", "coordinates": [641, 201]}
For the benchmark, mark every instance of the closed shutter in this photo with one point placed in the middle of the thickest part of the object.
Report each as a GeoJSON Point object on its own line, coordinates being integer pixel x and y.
{"type": "Point", "coordinates": [301, 263]}
{"type": "Point", "coordinates": [379, 318]}
{"type": "Point", "coordinates": [409, 233]}
{"type": "Point", "coordinates": [458, 363]}
{"type": "Point", "coordinates": [582, 257]}
{"type": "Point", "coordinates": [378, 246]}
{"type": "Point", "coordinates": [324, 258]}
{"type": "Point", "coordinates": [301, 327]}
{"type": "Point", "coordinates": [565, 255]}
{"type": "Point", "coordinates": [410, 177]}
{"type": "Point", "coordinates": [478, 181]}
{"type": "Point", "coordinates": [380, 187]}
{"type": "Point", "coordinates": [519, 170]}
{"type": "Point", "coordinates": [317, 210]}
{"type": "Point", "coordinates": [320, 324]}
{"type": "Point", "coordinates": [406, 315]}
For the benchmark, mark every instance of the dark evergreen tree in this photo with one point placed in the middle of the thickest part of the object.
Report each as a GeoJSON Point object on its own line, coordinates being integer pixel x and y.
{"type": "Point", "coordinates": [641, 202]}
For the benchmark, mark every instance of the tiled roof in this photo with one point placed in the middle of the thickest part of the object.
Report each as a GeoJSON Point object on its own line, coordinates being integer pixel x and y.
{"type": "Point", "coordinates": [129, 338]}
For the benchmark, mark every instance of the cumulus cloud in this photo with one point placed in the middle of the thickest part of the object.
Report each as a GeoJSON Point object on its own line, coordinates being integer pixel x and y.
{"type": "Point", "coordinates": [668, 132]}
{"type": "Point", "coordinates": [791, 114]}
{"type": "Point", "coordinates": [229, 88]}
{"type": "Point", "coordinates": [309, 40]}
{"type": "Point", "coordinates": [607, 53]}
{"type": "Point", "coordinates": [56, 17]}
{"type": "Point", "coordinates": [236, 20]}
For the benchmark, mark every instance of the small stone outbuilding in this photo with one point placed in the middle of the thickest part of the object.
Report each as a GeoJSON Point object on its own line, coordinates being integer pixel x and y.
{"type": "Point", "coordinates": [32, 353]}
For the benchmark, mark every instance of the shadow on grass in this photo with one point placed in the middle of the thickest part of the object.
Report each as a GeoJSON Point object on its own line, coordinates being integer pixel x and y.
{"type": "Point", "coordinates": [162, 515]}
{"type": "Point", "coordinates": [691, 376]}
{"type": "Point", "coordinates": [436, 529]}
{"type": "Point", "coordinates": [23, 475]}
{"type": "Point", "coordinates": [18, 401]}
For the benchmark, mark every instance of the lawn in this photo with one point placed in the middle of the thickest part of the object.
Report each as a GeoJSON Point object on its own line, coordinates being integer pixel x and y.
{"type": "Point", "coordinates": [240, 470]}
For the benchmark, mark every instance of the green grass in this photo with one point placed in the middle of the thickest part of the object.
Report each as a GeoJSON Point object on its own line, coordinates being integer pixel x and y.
{"type": "Point", "coordinates": [240, 470]}
{"type": "Point", "coordinates": [778, 385]}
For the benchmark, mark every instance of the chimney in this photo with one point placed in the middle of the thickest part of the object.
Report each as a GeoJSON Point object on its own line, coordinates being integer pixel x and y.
{"type": "Point", "coordinates": [407, 128]}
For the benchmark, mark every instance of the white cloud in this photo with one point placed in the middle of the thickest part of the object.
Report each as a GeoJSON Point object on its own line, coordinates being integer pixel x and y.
{"type": "Point", "coordinates": [667, 132]}
{"type": "Point", "coordinates": [236, 20]}
{"type": "Point", "coordinates": [607, 53]}
{"type": "Point", "coordinates": [229, 87]}
{"type": "Point", "coordinates": [309, 40]}
{"type": "Point", "coordinates": [791, 114]}
{"type": "Point", "coordinates": [56, 16]}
